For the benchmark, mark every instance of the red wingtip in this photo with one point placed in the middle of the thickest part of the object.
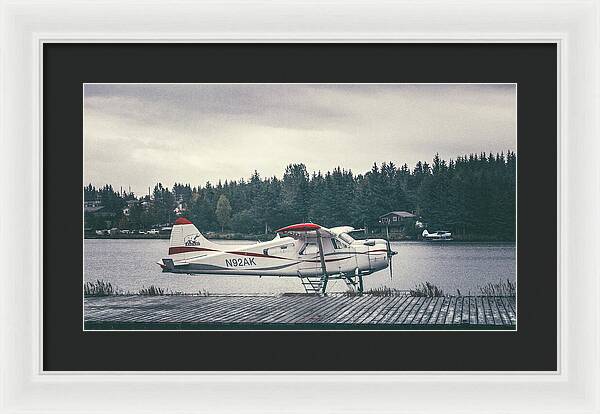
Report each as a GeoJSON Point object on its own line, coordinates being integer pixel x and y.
{"type": "Point", "coordinates": [299, 227]}
{"type": "Point", "coordinates": [182, 220]}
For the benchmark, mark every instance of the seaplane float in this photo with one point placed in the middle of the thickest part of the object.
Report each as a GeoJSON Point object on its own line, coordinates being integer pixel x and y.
{"type": "Point", "coordinates": [311, 252]}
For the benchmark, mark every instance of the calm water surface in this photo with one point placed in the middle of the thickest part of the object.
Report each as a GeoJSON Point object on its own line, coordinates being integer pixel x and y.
{"type": "Point", "coordinates": [131, 265]}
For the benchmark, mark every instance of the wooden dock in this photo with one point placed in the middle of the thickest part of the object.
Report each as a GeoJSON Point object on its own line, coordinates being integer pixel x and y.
{"type": "Point", "coordinates": [299, 312]}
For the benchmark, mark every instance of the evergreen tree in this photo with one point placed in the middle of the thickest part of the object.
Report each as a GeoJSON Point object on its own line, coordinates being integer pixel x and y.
{"type": "Point", "coordinates": [295, 194]}
{"type": "Point", "coordinates": [223, 211]}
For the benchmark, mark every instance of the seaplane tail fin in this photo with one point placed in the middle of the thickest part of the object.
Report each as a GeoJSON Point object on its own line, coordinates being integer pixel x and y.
{"type": "Point", "coordinates": [186, 238]}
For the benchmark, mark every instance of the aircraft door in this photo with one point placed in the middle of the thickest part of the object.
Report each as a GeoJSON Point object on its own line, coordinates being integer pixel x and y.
{"type": "Point", "coordinates": [344, 257]}
{"type": "Point", "coordinates": [310, 261]}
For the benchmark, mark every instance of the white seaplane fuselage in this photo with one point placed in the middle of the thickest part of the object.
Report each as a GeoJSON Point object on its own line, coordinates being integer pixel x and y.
{"type": "Point", "coordinates": [296, 255]}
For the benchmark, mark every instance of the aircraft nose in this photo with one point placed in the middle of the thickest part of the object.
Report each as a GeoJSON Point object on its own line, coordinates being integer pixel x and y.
{"type": "Point", "coordinates": [378, 256]}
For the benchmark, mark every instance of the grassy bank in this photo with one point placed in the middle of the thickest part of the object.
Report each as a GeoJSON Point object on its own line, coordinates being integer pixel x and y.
{"type": "Point", "coordinates": [100, 288]}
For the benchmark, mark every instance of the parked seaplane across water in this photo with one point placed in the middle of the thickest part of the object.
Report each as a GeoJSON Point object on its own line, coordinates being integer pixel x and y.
{"type": "Point", "coordinates": [313, 253]}
{"type": "Point", "coordinates": [440, 235]}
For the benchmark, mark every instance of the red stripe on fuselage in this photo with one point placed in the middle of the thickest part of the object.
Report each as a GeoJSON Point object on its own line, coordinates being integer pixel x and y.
{"type": "Point", "coordinates": [327, 260]}
{"type": "Point", "coordinates": [187, 249]}
{"type": "Point", "coordinates": [251, 254]}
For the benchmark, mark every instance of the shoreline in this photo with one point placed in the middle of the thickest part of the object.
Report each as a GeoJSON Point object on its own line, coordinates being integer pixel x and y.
{"type": "Point", "coordinates": [263, 237]}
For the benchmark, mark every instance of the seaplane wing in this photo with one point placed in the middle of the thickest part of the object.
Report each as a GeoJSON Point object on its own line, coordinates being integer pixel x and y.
{"type": "Point", "coordinates": [341, 230]}
{"type": "Point", "coordinates": [304, 250]}
{"type": "Point", "coordinates": [304, 230]}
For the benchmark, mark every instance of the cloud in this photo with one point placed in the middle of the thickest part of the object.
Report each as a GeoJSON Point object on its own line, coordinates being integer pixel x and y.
{"type": "Point", "coordinates": [139, 134]}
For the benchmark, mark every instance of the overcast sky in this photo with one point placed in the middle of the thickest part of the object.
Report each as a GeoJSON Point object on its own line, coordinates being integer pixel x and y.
{"type": "Point", "coordinates": [140, 134]}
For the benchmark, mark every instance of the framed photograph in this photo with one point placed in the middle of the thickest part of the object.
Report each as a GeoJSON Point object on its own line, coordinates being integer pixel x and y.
{"type": "Point", "coordinates": [333, 213]}
{"type": "Point", "coordinates": [249, 253]}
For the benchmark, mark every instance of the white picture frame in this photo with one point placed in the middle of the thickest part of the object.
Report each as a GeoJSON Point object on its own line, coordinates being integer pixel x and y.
{"type": "Point", "coordinates": [574, 26]}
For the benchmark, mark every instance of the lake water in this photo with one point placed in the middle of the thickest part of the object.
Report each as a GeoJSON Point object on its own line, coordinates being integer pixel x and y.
{"type": "Point", "coordinates": [131, 265]}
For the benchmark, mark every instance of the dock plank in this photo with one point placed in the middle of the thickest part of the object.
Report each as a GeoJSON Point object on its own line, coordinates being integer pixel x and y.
{"type": "Point", "coordinates": [502, 310]}
{"type": "Point", "coordinates": [404, 310]}
{"type": "Point", "coordinates": [487, 310]}
{"type": "Point", "coordinates": [432, 312]}
{"type": "Point", "coordinates": [289, 308]}
{"type": "Point", "coordinates": [343, 315]}
{"type": "Point", "coordinates": [451, 309]}
{"type": "Point", "coordinates": [390, 306]}
{"type": "Point", "coordinates": [396, 310]}
{"type": "Point", "coordinates": [253, 311]}
{"type": "Point", "coordinates": [480, 311]}
{"type": "Point", "coordinates": [376, 309]}
{"type": "Point", "coordinates": [281, 311]}
{"type": "Point", "coordinates": [458, 308]}
{"type": "Point", "coordinates": [465, 315]}
{"type": "Point", "coordinates": [425, 310]}
{"type": "Point", "coordinates": [510, 310]}
{"type": "Point", "coordinates": [441, 317]}
{"type": "Point", "coordinates": [511, 300]}
{"type": "Point", "coordinates": [359, 313]}
{"type": "Point", "coordinates": [341, 309]}
{"type": "Point", "coordinates": [435, 311]}
{"type": "Point", "coordinates": [414, 310]}
{"type": "Point", "coordinates": [495, 312]}
{"type": "Point", "coordinates": [473, 310]}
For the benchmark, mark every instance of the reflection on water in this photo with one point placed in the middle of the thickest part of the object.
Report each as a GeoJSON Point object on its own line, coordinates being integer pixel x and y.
{"type": "Point", "coordinates": [131, 265]}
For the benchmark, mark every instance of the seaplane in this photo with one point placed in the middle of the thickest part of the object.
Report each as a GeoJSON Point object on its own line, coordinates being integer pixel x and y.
{"type": "Point", "coordinates": [308, 251]}
{"type": "Point", "coordinates": [440, 235]}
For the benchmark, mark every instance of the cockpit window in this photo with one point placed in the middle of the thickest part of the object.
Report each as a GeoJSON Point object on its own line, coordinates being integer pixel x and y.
{"type": "Point", "coordinates": [346, 237]}
{"type": "Point", "coordinates": [310, 248]}
{"type": "Point", "coordinates": [338, 244]}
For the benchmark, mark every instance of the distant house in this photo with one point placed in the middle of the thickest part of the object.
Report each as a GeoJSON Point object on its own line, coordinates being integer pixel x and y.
{"type": "Point", "coordinates": [398, 221]}
{"type": "Point", "coordinates": [396, 218]}
{"type": "Point", "coordinates": [92, 206]}
{"type": "Point", "coordinates": [92, 209]}
{"type": "Point", "coordinates": [92, 203]}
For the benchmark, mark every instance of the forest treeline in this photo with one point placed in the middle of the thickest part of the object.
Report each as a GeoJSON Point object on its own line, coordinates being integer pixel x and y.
{"type": "Point", "coordinates": [474, 196]}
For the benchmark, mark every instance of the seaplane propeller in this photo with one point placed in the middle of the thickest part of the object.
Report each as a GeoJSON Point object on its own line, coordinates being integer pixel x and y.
{"type": "Point", "coordinates": [390, 255]}
{"type": "Point", "coordinates": [390, 252]}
